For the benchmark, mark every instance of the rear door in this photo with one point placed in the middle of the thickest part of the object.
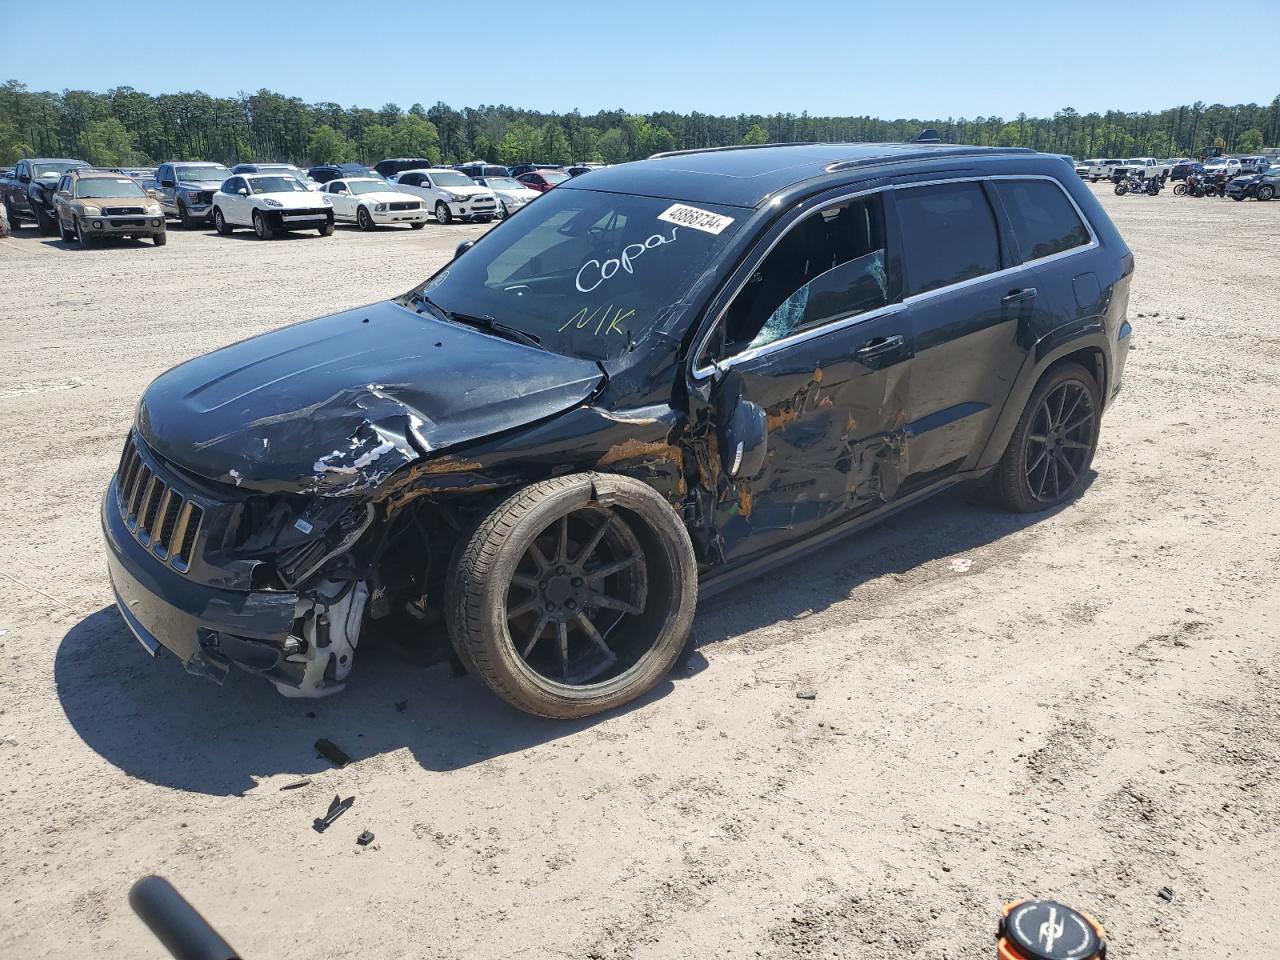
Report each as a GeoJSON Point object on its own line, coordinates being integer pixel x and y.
{"type": "Point", "coordinates": [815, 337]}
{"type": "Point", "coordinates": [967, 302]}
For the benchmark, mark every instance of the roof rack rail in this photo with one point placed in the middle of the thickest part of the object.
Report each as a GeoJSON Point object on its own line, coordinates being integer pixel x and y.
{"type": "Point", "coordinates": [924, 155]}
{"type": "Point", "coordinates": [734, 146]}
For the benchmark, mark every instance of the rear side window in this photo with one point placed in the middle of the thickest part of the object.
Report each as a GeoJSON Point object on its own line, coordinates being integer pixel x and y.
{"type": "Point", "coordinates": [1044, 220]}
{"type": "Point", "coordinates": [948, 235]}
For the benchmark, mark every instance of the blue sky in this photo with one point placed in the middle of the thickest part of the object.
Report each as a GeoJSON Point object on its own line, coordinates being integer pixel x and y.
{"type": "Point", "coordinates": [922, 59]}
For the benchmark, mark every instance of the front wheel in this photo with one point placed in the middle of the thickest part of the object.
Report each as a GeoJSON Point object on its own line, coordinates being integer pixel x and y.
{"type": "Point", "coordinates": [161, 238]}
{"type": "Point", "coordinates": [1266, 191]}
{"type": "Point", "coordinates": [502, 212]}
{"type": "Point", "coordinates": [418, 224]}
{"type": "Point", "coordinates": [442, 212]}
{"type": "Point", "coordinates": [84, 239]}
{"type": "Point", "coordinates": [1053, 444]}
{"type": "Point", "coordinates": [1179, 189]}
{"type": "Point", "coordinates": [1121, 189]}
{"type": "Point", "coordinates": [364, 219]}
{"type": "Point", "coordinates": [326, 230]}
{"type": "Point", "coordinates": [575, 595]}
{"type": "Point", "coordinates": [220, 222]}
{"type": "Point", "coordinates": [261, 227]}
{"type": "Point", "coordinates": [44, 222]}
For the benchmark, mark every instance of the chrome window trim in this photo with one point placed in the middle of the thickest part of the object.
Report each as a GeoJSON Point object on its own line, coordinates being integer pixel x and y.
{"type": "Point", "coordinates": [703, 372]}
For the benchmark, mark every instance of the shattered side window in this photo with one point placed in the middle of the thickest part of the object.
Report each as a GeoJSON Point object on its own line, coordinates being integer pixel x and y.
{"type": "Point", "coordinates": [830, 266]}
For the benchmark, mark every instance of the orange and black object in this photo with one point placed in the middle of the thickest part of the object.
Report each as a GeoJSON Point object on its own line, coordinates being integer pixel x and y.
{"type": "Point", "coordinates": [1048, 930]}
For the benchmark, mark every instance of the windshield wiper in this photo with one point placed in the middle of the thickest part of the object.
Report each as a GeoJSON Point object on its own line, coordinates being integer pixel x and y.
{"type": "Point", "coordinates": [482, 323]}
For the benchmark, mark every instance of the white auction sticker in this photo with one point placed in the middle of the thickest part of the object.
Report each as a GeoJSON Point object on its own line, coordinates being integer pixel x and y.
{"type": "Point", "coordinates": [703, 220]}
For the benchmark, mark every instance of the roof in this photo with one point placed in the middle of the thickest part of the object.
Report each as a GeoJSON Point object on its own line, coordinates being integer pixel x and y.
{"type": "Point", "coordinates": [747, 176]}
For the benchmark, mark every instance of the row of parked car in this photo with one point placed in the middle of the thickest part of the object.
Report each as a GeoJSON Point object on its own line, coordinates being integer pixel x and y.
{"type": "Point", "coordinates": [1172, 169]}
{"type": "Point", "coordinates": [84, 203]}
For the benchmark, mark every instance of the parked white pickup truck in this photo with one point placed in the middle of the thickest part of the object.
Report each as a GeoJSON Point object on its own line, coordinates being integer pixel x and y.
{"type": "Point", "coordinates": [1095, 170]}
{"type": "Point", "coordinates": [1145, 167]}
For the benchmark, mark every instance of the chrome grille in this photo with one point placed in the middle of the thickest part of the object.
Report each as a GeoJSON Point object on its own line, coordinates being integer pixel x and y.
{"type": "Point", "coordinates": [157, 514]}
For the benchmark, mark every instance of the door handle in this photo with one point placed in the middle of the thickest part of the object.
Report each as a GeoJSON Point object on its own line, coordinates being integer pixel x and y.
{"type": "Point", "coordinates": [1018, 296]}
{"type": "Point", "coordinates": [879, 346]}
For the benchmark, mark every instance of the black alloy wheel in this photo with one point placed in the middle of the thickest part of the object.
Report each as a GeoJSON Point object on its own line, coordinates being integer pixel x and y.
{"type": "Point", "coordinates": [1052, 447]}
{"type": "Point", "coordinates": [567, 601]}
{"type": "Point", "coordinates": [1061, 442]}
{"type": "Point", "coordinates": [364, 219]}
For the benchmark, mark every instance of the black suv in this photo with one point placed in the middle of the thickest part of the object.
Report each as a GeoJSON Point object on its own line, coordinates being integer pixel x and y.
{"type": "Point", "coordinates": [657, 380]}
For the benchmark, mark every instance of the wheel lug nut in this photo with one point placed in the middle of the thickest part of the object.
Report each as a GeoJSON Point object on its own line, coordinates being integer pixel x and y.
{"type": "Point", "coordinates": [560, 571]}
{"type": "Point", "coordinates": [576, 581]}
{"type": "Point", "coordinates": [543, 586]}
{"type": "Point", "coordinates": [550, 606]}
{"type": "Point", "coordinates": [570, 604]}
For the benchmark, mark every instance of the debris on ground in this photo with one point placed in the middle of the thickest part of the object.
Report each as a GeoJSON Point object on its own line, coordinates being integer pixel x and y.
{"type": "Point", "coordinates": [332, 752]}
{"type": "Point", "coordinates": [806, 694]}
{"type": "Point", "coordinates": [365, 838]}
{"type": "Point", "coordinates": [961, 565]}
{"type": "Point", "coordinates": [336, 809]}
{"type": "Point", "coordinates": [1165, 893]}
{"type": "Point", "coordinates": [296, 784]}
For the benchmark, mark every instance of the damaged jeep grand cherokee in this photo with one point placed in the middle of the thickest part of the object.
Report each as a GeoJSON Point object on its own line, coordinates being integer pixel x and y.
{"type": "Point", "coordinates": [662, 377]}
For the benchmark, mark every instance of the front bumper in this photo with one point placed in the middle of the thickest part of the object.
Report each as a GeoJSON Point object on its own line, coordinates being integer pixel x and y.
{"type": "Point", "coordinates": [132, 225]}
{"type": "Point", "coordinates": [421, 215]}
{"type": "Point", "coordinates": [299, 219]}
{"type": "Point", "coordinates": [468, 210]}
{"type": "Point", "coordinates": [205, 627]}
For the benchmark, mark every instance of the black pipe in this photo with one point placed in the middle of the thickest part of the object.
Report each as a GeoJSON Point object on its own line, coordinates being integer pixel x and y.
{"type": "Point", "coordinates": [176, 924]}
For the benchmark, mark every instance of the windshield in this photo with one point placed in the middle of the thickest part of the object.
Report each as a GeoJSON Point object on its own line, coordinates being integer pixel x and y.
{"type": "Point", "coordinates": [276, 185]}
{"type": "Point", "coordinates": [587, 273]}
{"type": "Point", "coordinates": [366, 186]}
{"type": "Point", "coordinates": [109, 187]}
{"type": "Point", "coordinates": [452, 179]}
{"type": "Point", "coordinates": [42, 170]}
{"type": "Point", "coordinates": [205, 172]}
{"type": "Point", "coordinates": [504, 183]}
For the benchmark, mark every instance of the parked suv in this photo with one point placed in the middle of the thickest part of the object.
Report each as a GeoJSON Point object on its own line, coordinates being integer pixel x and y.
{"type": "Point", "coordinates": [657, 380]}
{"type": "Point", "coordinates": [185, 190]}
{"type": "Point", "coordinates": [91, 205]}
{"type": "Point", "coordinates": [29, 192]}
{"type": "Point", "coordinates": [450, 194]}
{"type": "Point", "coordinates": [477, 169]}
{"type": "Point", "coordinates": [389, 168]}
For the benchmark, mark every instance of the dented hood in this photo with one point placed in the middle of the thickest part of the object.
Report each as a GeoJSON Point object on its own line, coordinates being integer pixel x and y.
{"type": "Point", "coordinates": [336, 405]}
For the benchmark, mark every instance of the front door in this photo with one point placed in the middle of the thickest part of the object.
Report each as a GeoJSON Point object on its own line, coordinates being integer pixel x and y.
{"type": "Point", "coordinates": [817, 339]}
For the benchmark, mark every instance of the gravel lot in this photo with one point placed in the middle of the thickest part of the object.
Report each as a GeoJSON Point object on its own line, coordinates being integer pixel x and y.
{"type": "Point", "coordinates": [1081, 705]}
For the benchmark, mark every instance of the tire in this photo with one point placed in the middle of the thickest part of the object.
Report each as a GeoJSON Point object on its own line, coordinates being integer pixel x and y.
{"type": "Point", "coordinates": [1179, 189]}
{"type": "Point", "coordinates": [43, 221]}
{"type": "Point", "coordinates": [483, 219]}
{"type": "Point", "coordinates": [261, 227]}
{"type": "Point", "coordinates": [1266, 191]}
{"type": "Point", "coordinates": [364, 219]}
{"type": "Point", "coordinates": [161, 238]}
{"type": "Point", "coordinates": [418, 225]}
{"type": "Point", "coordinates": [9, 215]}
{"type": "Point", "coordinates": [83, 238]}
{"type": "Point", "coordinates": [1094, 179]}
{"type": "Point", "coordinates": [1121, 189]}
{"type": "Point", "coordinates": [326, 230]}
{"type": "Point", "coordinates": [1237, 197]}
{"type": "Point", "coordinates": [442, 213]}
{"type": "Point", "coordinates": [220, 222]}
{"type": "Point", "coordinates": [520, 602]}
{"type": "Point", "coordinates": [503, 212]}
{"type": "Point", "coordinates": [68, 236]}
{"type": "Point", "coordinates": [1021, 481]}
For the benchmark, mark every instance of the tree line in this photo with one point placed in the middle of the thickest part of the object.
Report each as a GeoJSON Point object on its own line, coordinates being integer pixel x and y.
{"type": "Point", "coordinates": [125, 127]}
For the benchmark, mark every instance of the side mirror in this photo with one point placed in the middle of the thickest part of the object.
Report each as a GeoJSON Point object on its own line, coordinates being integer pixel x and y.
{"type": "Point", "coordinates": [24, 179]}
{"type": "Point", "coordinates": [151, 194]}
{"type": "Point", "coordinates": [462, 248]}
{"type": "Point", "coordinates": [243, 191]}
{"type": "Point", "coordinates": [742, 431]}
{"type": "Point", "coordinates": [168, 183]}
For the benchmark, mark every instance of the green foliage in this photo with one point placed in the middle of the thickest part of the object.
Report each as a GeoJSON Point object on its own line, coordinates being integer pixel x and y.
{"type": "Point", "coordinates": [327, 145]}
{"type": "Point", "coordinates": [135, 127]}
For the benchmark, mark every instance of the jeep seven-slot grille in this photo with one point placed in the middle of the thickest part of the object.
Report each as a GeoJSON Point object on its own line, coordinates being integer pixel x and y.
{"type": "Point", "coordinates": [159, 517]}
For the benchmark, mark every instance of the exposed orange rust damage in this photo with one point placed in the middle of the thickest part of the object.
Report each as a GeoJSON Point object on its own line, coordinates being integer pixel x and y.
{"type": "Point", "coordinates": [640, 449]}
{"type": "Point", "coordinates": [745, 501]}
{"type": "Point", "coordinates": [779, 420]}
{"type": "Point", "coordinates": [447, 465]}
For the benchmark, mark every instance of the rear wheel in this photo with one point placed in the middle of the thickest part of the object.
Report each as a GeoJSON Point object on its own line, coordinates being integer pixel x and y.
{"type": "Point", "coordinates": [1121, 189]}
{"type": "Point", "coordinates": [220, 222]}
{"type": "Point", "coordinates": [442, 212]}
{"type": "Point", "coordinates": [261, 227]}
{"type": "Point", "coordinates": [575, 595]}
{"type": "Point", "coordinates": [1053, 444]}
{"type": "Point", "coordinates": [1179, 189]}
{"type": "Point", "coordinates": [1266, 191]}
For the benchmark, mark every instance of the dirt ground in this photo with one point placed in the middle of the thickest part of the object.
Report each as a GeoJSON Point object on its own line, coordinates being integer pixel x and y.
{"type": "Point", "coordinates": [1081, 705]}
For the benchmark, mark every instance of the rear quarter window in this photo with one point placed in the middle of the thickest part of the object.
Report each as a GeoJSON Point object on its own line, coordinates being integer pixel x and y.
{"type": "Point", "coordinates": [1044, 220]}
{"type": "Point", "coordinates": [948, 235]}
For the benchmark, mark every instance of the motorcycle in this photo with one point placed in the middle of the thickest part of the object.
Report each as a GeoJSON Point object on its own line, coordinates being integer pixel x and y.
{"type": "Point", "coordinates": [1192, 186]}
{"type": "Point", "coordinates": [1132, 183]}
{"type": "Point", "coordinates": [1215, 184]}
